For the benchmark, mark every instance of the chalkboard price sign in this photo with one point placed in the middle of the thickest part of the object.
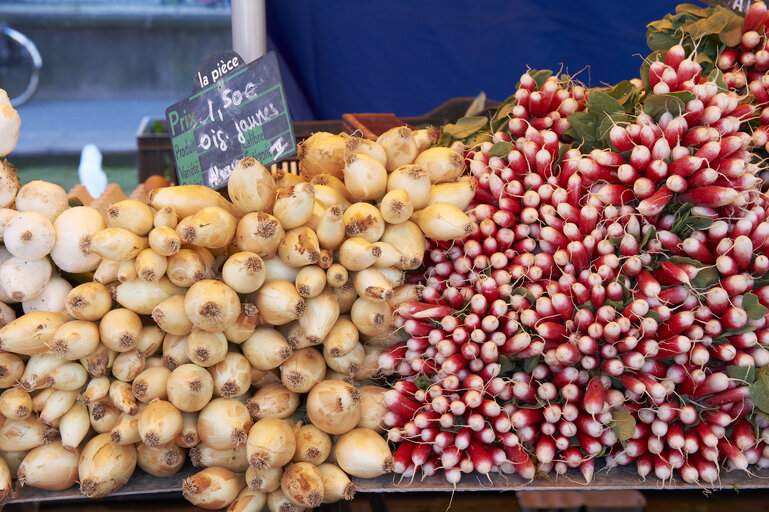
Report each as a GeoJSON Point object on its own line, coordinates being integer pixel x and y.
{"type": "Point", "coordinates": [243, 112]}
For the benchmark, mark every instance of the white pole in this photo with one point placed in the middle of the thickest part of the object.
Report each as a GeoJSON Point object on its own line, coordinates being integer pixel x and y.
{"type": "Point", "coordinates": [249, 29]}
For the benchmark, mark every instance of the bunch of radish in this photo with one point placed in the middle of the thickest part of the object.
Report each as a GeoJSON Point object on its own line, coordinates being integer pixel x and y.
{"type": "Point", "coordinates": [604, 304]}
{"type": "Point", "coordinates": [748, 61]}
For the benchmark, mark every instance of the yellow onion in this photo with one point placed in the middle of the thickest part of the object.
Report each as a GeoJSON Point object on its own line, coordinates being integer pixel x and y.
{"type": "Point", "coordinates": [211, 227]}
{"type": "Point", "coordinates": [276, 270]}
{"type": "Point", "coordinates": [299, 247]}
{"type": "Point", "coordinates": [224, 423]}
{"type": "Point", "coordinates": [358, 145]}
{"type": "Point", "coordinates": [151, 384]}
{"type": "Point", "coordinates": [51, 298]}
{"type": "Point", "coordinates": [186, 200]}
{"type": "Point", "coordinates": [15, 403]}
{"type": "Point", "coordinates": [271, 444]}
{"type": "Point", "coordinates": [211, 305]}
{"type": "Point", "coordinates": [389, 256]}
{"type": "Point", "coordinates": [126, 430]}
{"type": "Point", "coordinates": [161, 461]}
{"type": "Point", "coordinates": [57, 404]}
{"type": "Point", "coordinates": [341, 339]}
{"type": "Point", "coordinates": [327, 196]}
{"type": "Point", "coordinates": [305, 368]}
{"type": "Point", "coordinates": [243, 327]}
{"type": "Point", "coordinates": [348, 364]}
{"type": "Point", "coordinates": [121, 395]}
{"type": "Point", "coordinates": [165, 216]}
{"type": "Point", "coordinates": [29, 235]}
{"type": "Point", "coordinates": [459, 193]}
{"type": "Point", "coordinates": [414, 180]}
{"type": "Point", "coordinates": [442, 164]}
{"type": "Point", "coordinates": [74, 228]}
{"type": "Point", "coordinates": [120, 329]}
{"type": "Point", "coordinates": [37, 370]}
{"type": "Point", "coordinates": [336, 484]}
{"type": "Point", "coordinates": [116, 244]}
{"type": "Point", "coordinates": [273, 401]}
{"type": "Point", "coordinates": [371, 318]}
{"type": "Point", "coordinates": [294, 205]}
{"type": "Point", "coordinates": [302, 484]}
{"type": "Point", "coordinates": [165, 241]}
{"type": "Point", "coordinates": [106, 272]}
{"type": "Point", "coordinates": [251, 187]}
{"type": "Point", "coordinates": [97, 389]}
{"type": "Point", "coordinates": [363, 453]}
{"type": "Point", "coordinates": [150, 339]}
{"type": "Point", "coordinates": [103, 416]}
{"type": "Point", "coordinates": [189, 387]}
{"type": "Point", "coordinates": [321, 153]}
{"type": "Point", "coordinates": [159, 423]}
{"type": "Point", "coordinates": [396, 206]}
{"type": "Point", "coordinates": [88, 301]}
{"type": "Point", "coordinates": [11, 369]}
{"type": "Point", "coordinates": [279, 302]}
{"type": "Point", "coordinates": [206, 348]}
{"type": "Point", "coordinates": [49, 467]}
{"type": "Point", "coordinates": [248, 501]}
{"type": "Point", "coordinates": [74, 426]}
{"type": "Point", "coordinates": [171, 317]}
{"type": "Point", "coordinates": [331, 227]}
{"type": "Point", "coordinates": [320, 314]}
{"type": "Point", "coordinates": [346, 295]}
{"type": "Point", "coordinates": [394, 276]}
{"type": "Point", "coordinates": [365, 177]}
{"type": "Point", "coordinates": [263, 480]}
{"type": "Point", "coordinates": [130, 214]}
{"type": "Point", "coordinates": [127, 271]}
{"type": "Point", "coordinates": [312, 445]}
{"type": "Point", "coordinates": [372, 408]}
{"type": "Point", "coordinates": [212, 488]}
{"type": "Point", "coordinates": [443, 221]}
{"type": "Point", "coordinates": [232, 376]}
{"type": "Point", "coordinates": [104, 466]}
{"type": "Point", "coordinates": [333, 182]}
{"type": "Point", "coordinates": [244, 272]}
{"type": "Point", "coordinates": [31, 333]}
{"type": "Point", "coordinates": [409, 240]}
{"type": "Point", "coordinates": [142, 296]}
{"type": "Point", "coordinates": [295, 336]}
{"type": "Point", "coordinates": [234, 459]}
{"type": "Point", "coordinates": [284, 179]}
{"type": "Point", "coordinates": [365, 221]}
{"type": "Point", "coordinates": [188, 436]}
{"type": "Point", "coordinates": [150, 265]}
{"type": "Point", "coordinates": [259, 233]}
{"type": "Point", "coordinates": [371, 285]}
{"type": "Point", "coordinates": [277, 502]}
{"type": "Point", "coordinates": [334, 406]}
{"type": "Point", "coordinates": [426, 137]}
{"type": "Point", "coordinates": [310, 281]}
{"type": "Point", "coordinates": [266, 348]}
{"type": "Point", "coordinates": [399, 145]}
{"type": "Point", "coordinates": [128, 365]}
{"type": "Point", "coordinates": [75, 340]}
{"type": "Point", "coordinates": [99, 362]}
{"type": "Point", "coordinates": [336, 275]}
{"type": "Point", "coordinates": [358, 253]}
{"type": "Point", "coordinates": [185, 268]}
{"type": "Point", "coordinates": [325, 259]}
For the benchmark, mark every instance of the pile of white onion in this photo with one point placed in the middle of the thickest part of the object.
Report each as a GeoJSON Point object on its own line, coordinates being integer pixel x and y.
{"type": "Point", "coordinates": [198, 325]}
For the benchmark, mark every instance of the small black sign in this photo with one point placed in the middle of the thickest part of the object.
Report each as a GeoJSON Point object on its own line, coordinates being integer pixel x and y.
{"type": "Point", "coordinates": [236, 111]}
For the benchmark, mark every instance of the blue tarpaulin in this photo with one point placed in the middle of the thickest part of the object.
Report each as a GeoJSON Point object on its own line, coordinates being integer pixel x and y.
{"type": "Point", "coordinates": [407, 57]}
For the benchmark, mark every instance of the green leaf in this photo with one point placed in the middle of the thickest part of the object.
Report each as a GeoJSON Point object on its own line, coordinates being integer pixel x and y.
{"type": "Point", "coordinates": [673, 102]}
{"type": "Point", "coordinates": [677, 260]}
{"type": "Point", "coordinates": [626, 95]}
{"type": "Point", "coordinates": [583, 130]}
{"type": "Point", "coordinates": [525, 292]}
{"type": "Point", "coordinates": [746, 373]}
{"type": "Point", "coordinates": [706, 277]}
{"type": "Point", "coordinates": [717, 76]}
{"type": "Point", "coordinates": [423, 382]}
{"type": "Point", "coordinates": [657, 54]}
{"type": "Point", "coordinates": [602, 103]}
{"type": "Point", "coordinates": [721, 19]}
{"type": "Point", "coordinates": [655, 315]}
{"type": "Point", "coordinates": [623, 423]}
{"type": "Point", "coordinates": [731, 36]}
{"type": "Point", "coordinates": [529, 363]}
{"type": "Point", "coordinates": [503, 114]}
{"type": "Point", "coordinates": [660, 25]}
{"type": "Point", "coordinates": [651, 233]}
{"type": "Point", "coordinates": [693, 9]}
{"type": "Point", "coordinates": [660, 41]}
{"type": "Point", "coordinates": [752, 307]}
{"type": "Point", "coordinates": [465, 127]}
{"type": "Point", "coordinates": [505, 365]}
{"type": "Point", "coordinates": [733, 332]}
{"type": "Point", "coordinates": [477, 139]}
{"type": "Point", "coordinates": [759, 393]}
{"type": "Point", "coordinates": [501, 149]}
{"type": "Point", "coordinates": [540, 76]}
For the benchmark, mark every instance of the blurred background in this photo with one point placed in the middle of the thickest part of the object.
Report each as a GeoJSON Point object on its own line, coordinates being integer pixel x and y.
{"type": "Point", "coordinates": [108, 64]}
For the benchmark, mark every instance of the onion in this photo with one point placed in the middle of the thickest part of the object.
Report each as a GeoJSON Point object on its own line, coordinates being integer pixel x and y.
{"type": "Point", "coordinates": [151, 384]}
{"type": "Point", "coordinates": [243, 327]}
{"type": "Point", "coordinates": [357, 254]}
{"type": "Point", "coordinates": [234, 459]}
{"type": "Point", "coordinates": [150, 265]}
{"type": "Point", "coordinates": [358, 145]}
{"type": "Point", "coordinates": [212, 488]}
{"type": "Point", "coordinates": [103, 416]}
{"type": "Point", "coordinates": [341, 339]}
{"type": "Point", "coordinates": [127, 271]}
{"type": "Point", "coordinates": [336, 484]}
{"type": "Point", "coordinates": [408, 238]}
{"type": "Point", "coordinates": [31, 333]}
{"type": "Point", "coordinates": [186, 200]}
{"type": "Point", "coordinates": [188, 436]}
{"type": "Point", "coordinates": [346, 295]}
{"type": "Point", "coordinates": [336, 275]}
{"type": "Point", "coordinates": [299, 247]}
{"type": "Point", "coordinates": [160, 461]}
{"type": "Point", "coordinates": [74, 227]}
{"type": "Point", "coordinates": [189, 387]}
{"type": "Point", "coordinates": [279, 302]}
{"type": "Point", "coordinates": [266, 348]}
{"type": "Point", "coordinates": [211, 227]}
{"type": "Point", "coordinates": [303, 370]}
{"type": "Point", "coordinates": [88, 301]}
{"type": "Point", "coordinates": [348, 364]}
{"type": "Point", "coordinates": [259, 233]}
{"type": "Point", "coordinates": [132, 215]}
{"type": "Point", "coordinates": [365, 177]}
{"type": "Point", "coordinates": [273, 401]}
{"type": "Point", "coordinates": [29, 235]}
{"type": "Point", "coordinates": [363, 453]}
{"type": "Point", "coordinates": [150, 340]}
{"type": "Point", "coordinates": [97, 389]}
{"type": "Point", "coordinates": [302, 484]}
{"type": "Point", "coordinates": [394, 276]}
{"type": "Point", "coordinates": [185, 268]}
{"type": "Point", "coordinates": [334, 406]}
{"type": "Point", "coordinates": [312, 445]}
{"type": "Point", "coordinates": [42, 197]}
{"type": "Point", "coordinates": [142, 296]}
{"type": "Point", "coordinates": [320, 315]}
{"type": "Point", "coordinates": [327, 196]}
{"type": "Point", "coordinates": [396, 206]}
{"type": "Point", "coordinates": [371, 285]}
{"type": "Point", "coordinates": [232, 376]}
{"type": "Point", "coordinates": [270, 444]}
{"type": "Point", "coordinates": [49, 467]}
{"type": "Point", "coordinates": [294, 205]}
{"type": "Point", "coordinates": [165, 217]}
{"type": "Point", "coordinates": [171, 317]}
{"type": "Point", "coordinates": [372, 408]}
{"type": "Point", "coordinates": [310, 281]}
{"type": "Point", "coordinates": [74, 426]}
{"type": "Point", "coordinates": [75, 340]}
{"type": "Point", "coordinates": [23, 279]}
{"type": "Point", "coordinates": [38, 367]}
{"type": "Point", "coordinates": [415, 181]}
{"type": "Point", "coordinates": [7, 314]}
{"type": "Point", "coordinates": [277, 502]}
{"type": "Point", "coordinates": [365, 221]}
{"type": "Point", "coordinates": [106, 272]}
{"type": "Point", "coordinates": [15, 404]}
{"type": "Point", "coordinates": [285, 179]}
{"type": "Point", "coordinates": [128, 365]}
{"type": "Point", "coordinates": [426, 137]}
{"type": "Point", "coordinates": [99, 362]}
{"type": "Point", "coordinates": [116, 244]}
{"type": "Point", "coordinates": [206, 348]}
{"type": "Point", "coordinates": [6, 483]}
{"type": "Point", "coordinates": [442, 164]}
{"type": "Point", "coordinates": [121, 395]}
{"type": "Point", "coordinates": [51, 298]}
{"type": "Point", "coordinates": [371, 318]}
{"type": "Point", "coordinates": [264, 480]}
{"type": "Point", "coordinates": [211, 305]}
{"type": "Point", "coordinates": [57, 404]}
{"type": "Point", "coordinates": [400, 146]}
{"type": "Point", "coordinates": [11, 369]}
{"type": "Point", "coordinates": [9, 182]}
{"type": "Point", "coordinates": [23, 435]}
{"type": "Point", "coordinates": [331, 227]}
{"type": "Point", "coordinates": [322, 153]}
{"type": "Point", "coordinates": [165, 241]}
{"type": "Point", "coordinates": [332, 182]}
{"type": "Point", "coordinates": [458, 194]}
{"type": "Point", "coordinates": [68, 377]}
{"type": "Point", "coordinates": [224, 423]}
{"type": "Point", "coordinates": [159, 423]}
{"type": "Point", "coordinates": [443, 221]}
{"type": "Point", "coordinates": [251, 186]}
{"type": "Point", "coordinates": [109, 471]}
{"type": "Point", "coordinates": [120, 329]}
{"type": "Point", "coordinates": [248, 501]}
{"type": "Point", "coordinates": [126, 430]}
{"type": "Point", "coordinates": [244, 272]}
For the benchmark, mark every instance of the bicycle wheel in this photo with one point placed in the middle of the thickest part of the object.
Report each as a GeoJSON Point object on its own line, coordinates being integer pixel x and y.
{"type": "Point", "coordinates": [20, 65]}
